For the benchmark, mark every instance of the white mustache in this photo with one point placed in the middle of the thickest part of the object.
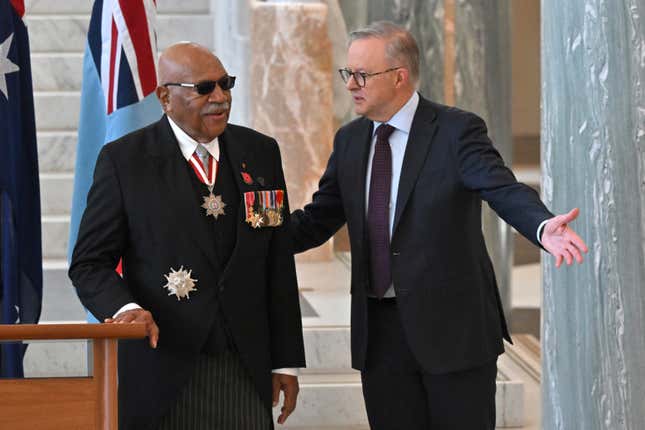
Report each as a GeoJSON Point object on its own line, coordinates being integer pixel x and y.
{"type": "Point", "coordinates": [217, 107]}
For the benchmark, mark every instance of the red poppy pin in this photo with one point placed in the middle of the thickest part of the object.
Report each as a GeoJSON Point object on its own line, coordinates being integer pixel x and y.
{"type": "Point", "coordinates": [247, 178]}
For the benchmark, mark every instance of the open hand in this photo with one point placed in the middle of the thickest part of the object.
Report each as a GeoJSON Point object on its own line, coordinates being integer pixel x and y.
{"type": "Point", "coordinates": [561, 241]}
{"type": "Point", "coordinates": [138, 316]}
{"type": "Point", "coordinates": [289, 385]}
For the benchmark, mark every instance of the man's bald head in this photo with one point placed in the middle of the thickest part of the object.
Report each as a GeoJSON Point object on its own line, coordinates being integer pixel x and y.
{"type": "Point", "coordinates": [203, 117]}
{"type": "Point", "coordinates": [176, 62]}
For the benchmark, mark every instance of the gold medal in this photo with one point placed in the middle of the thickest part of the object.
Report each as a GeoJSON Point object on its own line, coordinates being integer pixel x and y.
{"type": "Point", "coordinates": [255, 220]}
{"type": "Point", "coordinates": [214, 205]}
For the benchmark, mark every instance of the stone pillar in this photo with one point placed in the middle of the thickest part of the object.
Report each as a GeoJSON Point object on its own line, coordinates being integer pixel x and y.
{"type": "Point", "coordinates": [232, 46]}
{"type": "Point", "coordinates": [291, 92]}
{"type": "Point", "coordinates": [465, 61]}
{"type": "Point", "coordinates": [593, 152]}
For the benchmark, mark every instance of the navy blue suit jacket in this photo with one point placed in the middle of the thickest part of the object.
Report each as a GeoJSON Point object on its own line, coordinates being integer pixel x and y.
{"type": "Point", "coordinates": [442, 275]}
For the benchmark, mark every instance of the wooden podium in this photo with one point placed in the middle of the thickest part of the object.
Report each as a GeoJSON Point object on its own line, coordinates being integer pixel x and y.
{"type": "Point", "coordinates": [77, 403]}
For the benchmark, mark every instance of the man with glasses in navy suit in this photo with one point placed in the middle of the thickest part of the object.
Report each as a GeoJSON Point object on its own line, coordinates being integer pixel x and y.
{"type": "Point", "coordinates": [408, 177]}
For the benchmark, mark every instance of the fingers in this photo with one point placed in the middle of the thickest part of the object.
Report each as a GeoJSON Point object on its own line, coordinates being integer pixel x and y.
{"type": "Point", "coordinates": [153, 334]}
{"type": "Point", "coordinates": [139, 316]}
{"type": "Point", "coordinates": [276, 389]}
{"type": "Point", "coordinates": [289, 385]}
{"type": "Point", "coordinates": [558, 224]}
{"type": "Point", "coordinates": [568, 257]}
{"type": "Point", "coordinates": [577, 241]}
{"type": "Point", "coordinates": [575, 251]}
{"type": "Point", "coordinates": [573, 214]}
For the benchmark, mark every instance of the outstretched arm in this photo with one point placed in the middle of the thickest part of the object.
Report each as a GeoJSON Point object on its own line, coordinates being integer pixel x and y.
{"type": "Point", "coordinates": [561, 241]}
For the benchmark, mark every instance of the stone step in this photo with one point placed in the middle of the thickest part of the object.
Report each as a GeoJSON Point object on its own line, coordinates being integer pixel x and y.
{"type": "Point", "coordinates": [57, 71]}
{"type": "Point", "coordinates": [57, 110]}
{"type": "Point", "coordinates": [56, 193]}
{"type": "Point", "coordinates": [60, 302]}
{"type": "Point", "coordinates": [56, 151]}
{"type": "Point", "coordinates": [55, 236]}
{"type": "Point", "coordinates": [68, 33]}
{"type": "Point", "coordinates": [85, 6]}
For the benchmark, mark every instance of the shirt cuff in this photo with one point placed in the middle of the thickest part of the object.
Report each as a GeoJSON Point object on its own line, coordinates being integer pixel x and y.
{"type": "Point", "coordinates": [286, 371]}
{"type": "Point", "coordinates": [539, 230]}
{"type": "Point", "coordinates": [127, 307]}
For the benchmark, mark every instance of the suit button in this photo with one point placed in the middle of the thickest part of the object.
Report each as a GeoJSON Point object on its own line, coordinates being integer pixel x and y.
{"type": "Point", "coordinates": [396, 254]}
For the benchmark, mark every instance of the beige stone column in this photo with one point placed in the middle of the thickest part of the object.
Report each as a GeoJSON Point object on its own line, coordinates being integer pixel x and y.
{"type": "Point", "coordinates": [291, 93]}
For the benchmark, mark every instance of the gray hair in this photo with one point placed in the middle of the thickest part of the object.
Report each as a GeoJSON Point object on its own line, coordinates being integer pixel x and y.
{"type": "Point", "coordinates": [401, 46]}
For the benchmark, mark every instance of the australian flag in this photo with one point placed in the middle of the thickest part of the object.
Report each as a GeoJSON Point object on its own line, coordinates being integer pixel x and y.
{"type": "Point", "coordinates": [21, 276]}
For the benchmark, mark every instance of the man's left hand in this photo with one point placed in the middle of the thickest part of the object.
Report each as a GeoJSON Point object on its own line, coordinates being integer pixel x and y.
{"type": "Point", "coordinates": [561, 241]}
{"type": "Point", "coordinates": [289, 385]}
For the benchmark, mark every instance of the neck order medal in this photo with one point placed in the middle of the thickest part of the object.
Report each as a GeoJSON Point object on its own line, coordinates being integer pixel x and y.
{"type": "Point", "coordinates": [213, 204]}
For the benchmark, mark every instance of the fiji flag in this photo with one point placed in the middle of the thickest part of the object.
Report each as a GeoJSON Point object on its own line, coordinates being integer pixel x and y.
{"type": "Point", "coordinates": [119, 79]}
{"type": "Point", "coordinates": [21, 276]}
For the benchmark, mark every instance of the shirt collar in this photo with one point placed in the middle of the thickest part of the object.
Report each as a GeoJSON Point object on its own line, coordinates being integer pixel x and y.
{"type": "Point", "coordinates": [188, 145]}
{"type": "Point", "coordinates": [402, 120]}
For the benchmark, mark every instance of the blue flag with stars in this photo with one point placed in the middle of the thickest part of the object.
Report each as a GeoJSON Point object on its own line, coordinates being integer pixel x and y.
{"type": "Point", "coordinates": [21, 276]}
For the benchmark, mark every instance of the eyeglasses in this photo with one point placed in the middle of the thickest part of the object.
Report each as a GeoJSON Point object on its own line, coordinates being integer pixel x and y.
{"type": "Point", "coordinates": [360, 77]}
{"type": "Point", "coordinates": [206, 87]}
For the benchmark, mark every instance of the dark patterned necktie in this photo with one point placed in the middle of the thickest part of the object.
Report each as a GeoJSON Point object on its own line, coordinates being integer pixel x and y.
{"type": "Point", "coordinates": [378, 212]}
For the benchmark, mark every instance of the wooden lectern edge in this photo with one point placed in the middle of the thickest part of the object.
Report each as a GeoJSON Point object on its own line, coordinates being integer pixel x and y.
{"type": "Point", "coordinates": [55, 403]}
{"type": "Point", "coordinates": [17, 332]}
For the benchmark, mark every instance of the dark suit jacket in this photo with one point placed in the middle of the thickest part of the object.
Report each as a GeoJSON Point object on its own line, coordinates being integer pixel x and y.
{"type": "Point", "coordinates": [141, 207]}
{"type": "Point", "coordinates": [442, 275]}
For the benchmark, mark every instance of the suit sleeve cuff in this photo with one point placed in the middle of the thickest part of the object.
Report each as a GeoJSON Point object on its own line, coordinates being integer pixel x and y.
{"type": "Point", "coordinates": [539, 231]}
{"type": "Point", "coordinates": [286, 371]}
{"type": "Point", "coordinates": [127, 307]}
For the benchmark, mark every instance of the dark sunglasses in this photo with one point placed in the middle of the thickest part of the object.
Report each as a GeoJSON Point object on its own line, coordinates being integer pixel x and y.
{"type": "Point", "coordinates": [206, 87]}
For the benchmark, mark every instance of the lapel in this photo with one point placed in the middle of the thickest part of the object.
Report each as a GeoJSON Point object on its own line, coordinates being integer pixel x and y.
{"type": "Point", "coordinates": [237, 153]}
{"type": "Point", "coordinates": [421, 134]}
{"type": "Point", "coordinates": [360, 152]}
{"type": "Point", "coordinates": [170, 166]}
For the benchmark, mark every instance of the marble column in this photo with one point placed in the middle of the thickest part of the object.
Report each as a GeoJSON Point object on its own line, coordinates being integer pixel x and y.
{"type": "Point", "coordinates": [232, 46]}
{"type": "Point", "coordinates": [291, 92]}
{"type": "Point", "coordinates": [465, 61]}
{"type": "Point", "coordinates": [593, 155]}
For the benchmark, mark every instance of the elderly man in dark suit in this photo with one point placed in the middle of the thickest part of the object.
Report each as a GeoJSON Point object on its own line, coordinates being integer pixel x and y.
{"type": "Point", "coordinates": [197, 210]}
{"type": "Point", "coordinates": [408, 177]}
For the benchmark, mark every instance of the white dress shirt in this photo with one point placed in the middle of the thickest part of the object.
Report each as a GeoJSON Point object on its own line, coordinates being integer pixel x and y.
{"type": "Point", "coordinates": [188, 145]}
{"type": "Point", "coordinates": [402, 123]}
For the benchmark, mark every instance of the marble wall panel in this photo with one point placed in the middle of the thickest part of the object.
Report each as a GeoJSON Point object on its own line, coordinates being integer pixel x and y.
{"type": "Point", "coordinates": [56, 359]}
{"type": "Point", "coordinates": [56, 151]}
{"type": "Point", "coordinates": [57, 111]}
{"type": "Point", "coordinates": [482, 85]}
{"type": "Point", "coordinates": [425, 20]}
{"type": "Point", "coordinates": [593, 157]}
{"type": "Point", "coordinates": [55, 236]}
{"type": "Point", "coordinates": [355, 13]}
{"type": "Point", "coordinates": [56, 193]}
{"type": "Point", "coordinates": [57, 72]}
{"type": "Point", "coordinates": [68, 33]}
{"type": "Point", "coordinates": [232, 46]}
{"type": "Point", "coordinates": [85, 6]}
{"type": "Point", "coordinates": [291, 91]}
